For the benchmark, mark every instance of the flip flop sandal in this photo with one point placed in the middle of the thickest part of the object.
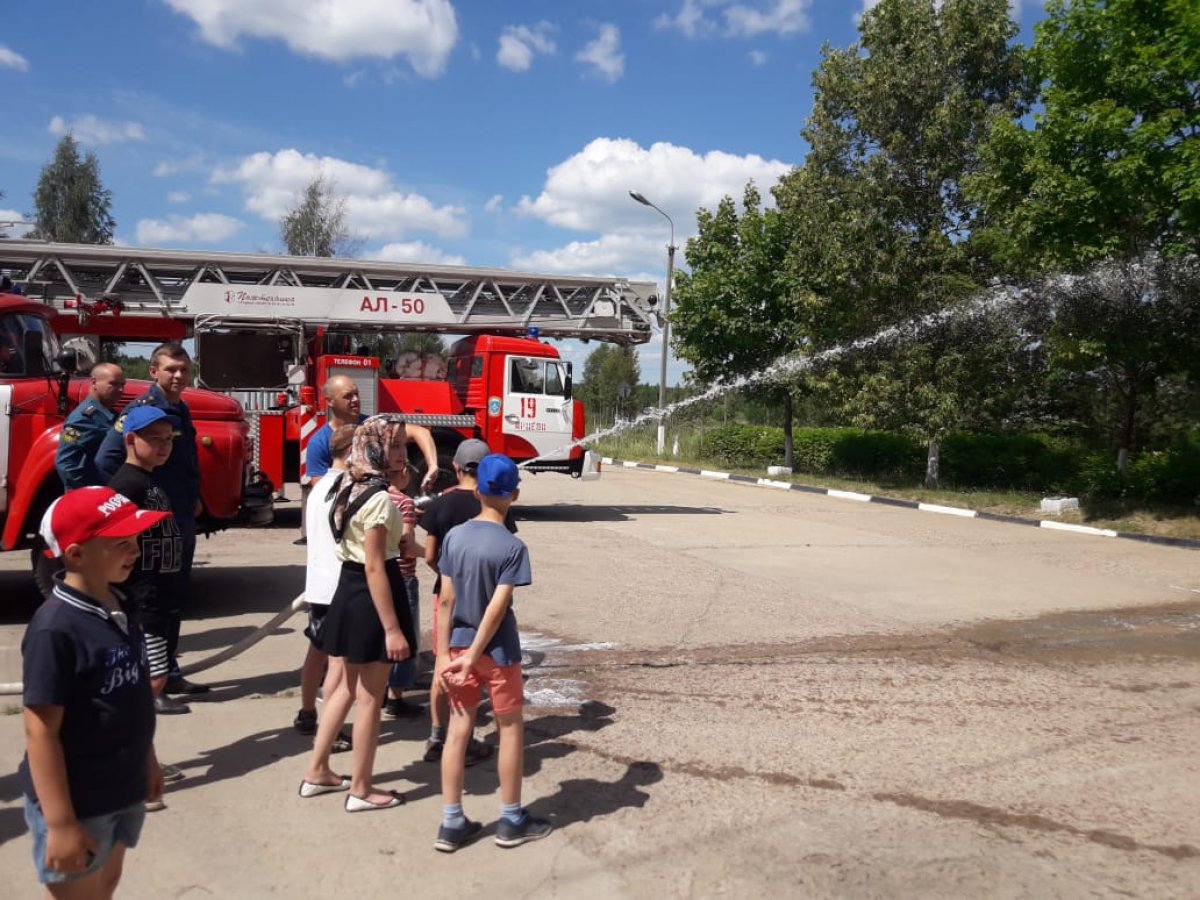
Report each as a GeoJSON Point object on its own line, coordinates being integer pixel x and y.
{"type": "Point", "coordinates": [342, 743]}
{"type": "Point", "coordinates": [360, 804]}
{"type": "Point", "coordinates": [313, 789]}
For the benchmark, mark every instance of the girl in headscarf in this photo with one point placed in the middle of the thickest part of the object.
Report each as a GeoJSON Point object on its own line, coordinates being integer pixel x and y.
{"type": "Point", "coordinates": [368, 625]}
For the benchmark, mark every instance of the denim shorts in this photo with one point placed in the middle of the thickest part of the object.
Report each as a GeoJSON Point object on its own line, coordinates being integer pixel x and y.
{"type": "Point", "coordinates": [124, 825]}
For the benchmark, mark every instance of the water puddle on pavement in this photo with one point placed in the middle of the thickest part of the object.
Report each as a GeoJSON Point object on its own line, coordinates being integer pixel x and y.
{"type": "Point", "coordinates": [544, 653]}
{"type": "Point", "coordinates": [1093, 636]}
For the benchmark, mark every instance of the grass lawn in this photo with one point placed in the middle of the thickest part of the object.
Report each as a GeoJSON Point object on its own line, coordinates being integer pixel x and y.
{"type": "Point", "coordinates": [1170, 521]}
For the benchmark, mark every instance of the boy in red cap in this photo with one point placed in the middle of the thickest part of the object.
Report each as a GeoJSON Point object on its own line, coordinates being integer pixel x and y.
{"type": "Point", "coordinates": [89, 764]}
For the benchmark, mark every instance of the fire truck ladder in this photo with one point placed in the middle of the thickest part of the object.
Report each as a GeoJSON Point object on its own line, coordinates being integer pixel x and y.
{"type": "Point", "coordinates": [243, 287]}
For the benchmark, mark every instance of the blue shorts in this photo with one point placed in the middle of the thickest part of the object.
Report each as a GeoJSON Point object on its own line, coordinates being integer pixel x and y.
{"type": "Point", "coordinates": [124, 825]}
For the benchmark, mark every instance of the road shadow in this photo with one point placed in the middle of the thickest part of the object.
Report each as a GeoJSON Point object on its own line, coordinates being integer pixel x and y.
{"type": "Point", "coordinates": [580, 512]}
{"type": "Point", "coordinates": [583, 799]}
{"type": "Point", "coordinates": [12, 819]}
{"type": "Point", "coordinates": [269, 685]}
{"type": "Point", "coordinates": [219, 591]}
{"type": "Point", "coordinates": [220, 638]}
{"type": "Point", "coordinates": [245, 755]}
{"type": "Point", "coordinates": [21, 596]}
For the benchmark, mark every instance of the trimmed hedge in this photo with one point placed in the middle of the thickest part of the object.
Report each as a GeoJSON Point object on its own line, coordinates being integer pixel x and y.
{"type": "Point", "coordinates": [1026, 462]}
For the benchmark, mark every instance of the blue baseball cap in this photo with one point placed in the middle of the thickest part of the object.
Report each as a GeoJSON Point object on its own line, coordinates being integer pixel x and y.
{"type": "Point", "coordinates": [140, 416]}
{"type": "Point", "coordinates": [498, 475]}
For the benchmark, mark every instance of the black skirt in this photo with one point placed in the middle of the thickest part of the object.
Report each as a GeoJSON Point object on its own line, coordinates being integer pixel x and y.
{"type": "Point", "coordinates": [352, 630]}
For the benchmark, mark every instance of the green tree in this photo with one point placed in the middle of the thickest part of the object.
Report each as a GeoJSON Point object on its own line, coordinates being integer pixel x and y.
{"type": "Point", "coordinates": [1109, 169]}
{"type": "Point", "coordinates": [71, 203]}
{"type": "Point", "coordinates": [610, 379]}
{"type": "Point", "coordinates": [879, 225]}
{"type": "Point", "coordinates": [735, 312]}
{"type": "Point", "coordinates": [1110, 165]}
{"type": "Point", "coordinates": [316, 225]}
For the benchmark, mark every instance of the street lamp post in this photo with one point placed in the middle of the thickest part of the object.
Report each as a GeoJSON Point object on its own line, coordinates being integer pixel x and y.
{"type": "Point", "coordinates": [666, 324]}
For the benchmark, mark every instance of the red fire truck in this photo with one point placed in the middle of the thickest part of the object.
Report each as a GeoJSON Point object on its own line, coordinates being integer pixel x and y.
{"type": "Point", "coordinates": [37, 390]}
{"type": "Point", "coordinates": [271, 330]}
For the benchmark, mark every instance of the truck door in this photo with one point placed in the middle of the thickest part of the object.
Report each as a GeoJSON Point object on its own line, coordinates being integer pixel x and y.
{"type": "Point", "coordinates": [535, 406]}
{"type": "Point", "coordinates": [6, 393]}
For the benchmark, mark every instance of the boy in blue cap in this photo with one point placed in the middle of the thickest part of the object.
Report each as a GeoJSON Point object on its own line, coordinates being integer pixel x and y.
{"type": "Point", "coordinates": [477, 643]}
{"type": "Point", "coordinates": [179, 476]}
{"type": "Point", "coordinates": [149, 434]}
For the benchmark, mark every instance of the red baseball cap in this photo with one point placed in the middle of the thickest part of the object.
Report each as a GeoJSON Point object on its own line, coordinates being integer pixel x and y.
{"type": "Point", "coordinates": [93, 512]}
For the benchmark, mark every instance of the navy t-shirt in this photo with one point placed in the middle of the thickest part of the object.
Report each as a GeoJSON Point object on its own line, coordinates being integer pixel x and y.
{"type": "Point", "coordinates": [76, 655]}
{"type": "Point", "coordinates": [481, 556]}
{"type": "Point", "coordinates": [179, 476]}
{"type": "Point", "coordinates": [449, 509]}
{"type": "Point", "coordinates": [152, 580]}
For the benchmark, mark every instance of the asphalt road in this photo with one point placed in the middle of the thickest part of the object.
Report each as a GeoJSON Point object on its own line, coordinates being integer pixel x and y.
{"type": "Point", "coordinates": [734, 691]}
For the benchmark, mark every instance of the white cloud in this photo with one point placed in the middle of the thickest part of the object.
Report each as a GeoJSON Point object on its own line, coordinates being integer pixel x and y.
{"type": "Point", "coordinates": [202, 228]}
{"type": "Point", "coordinates": [175, 166]}
{"type": "Point", "coordinates": [90, 129]}
{"type": "Point", "coordinates": [178, 197]}
{"type": "Point", "coordinates": [590, 190]}
{"type": "Point", "coordinates": [757, 58]}
{"type": "Point", "coordinates": [416, 251]}
{"type": "Point", "coordinates": [11, 59]}
{"type": "Point", "coordinates": [273, 182]}
{"type": "Point", "coordinates": [422, 31]}
{"type": "Point", "coordinates": [604, 54]}
{"type": "Point", "coordinates": [9, 223]}
{"type": "Point", "coordinates": [519, 43]}
{"type": "Point", "coordinates": [494, 203]}
{"type": "Point", "coordinates": [731, 18]}
{"type": "Point", "coordinates": [607, 255]}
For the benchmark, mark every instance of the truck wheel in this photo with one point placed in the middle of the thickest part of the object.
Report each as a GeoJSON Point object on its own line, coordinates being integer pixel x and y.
{"type": "Point", "coordinates": [44, 568]}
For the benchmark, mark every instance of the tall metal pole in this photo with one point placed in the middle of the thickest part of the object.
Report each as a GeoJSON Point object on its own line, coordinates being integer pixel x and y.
{"type": "Point", "coordinates": [666, 324]}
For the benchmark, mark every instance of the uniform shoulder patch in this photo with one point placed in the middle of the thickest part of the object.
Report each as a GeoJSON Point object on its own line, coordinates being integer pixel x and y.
{"type": "Point", "coordinates": [87, 410]}
{"type": "Point", "coordinates": [70, 434]}
{"type": "Point", "coordinates": [119, 425]}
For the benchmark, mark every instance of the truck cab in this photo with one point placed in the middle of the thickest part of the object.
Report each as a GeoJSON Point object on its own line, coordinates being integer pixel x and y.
{"type": "Point", "coordinates": [37, 393]}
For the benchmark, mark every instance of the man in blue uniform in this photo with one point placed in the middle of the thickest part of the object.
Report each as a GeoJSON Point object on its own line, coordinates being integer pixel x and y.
{"type": "Point", "coordinates": [179, 476]}
{"type": "Point", "coordinates": [86, 427]}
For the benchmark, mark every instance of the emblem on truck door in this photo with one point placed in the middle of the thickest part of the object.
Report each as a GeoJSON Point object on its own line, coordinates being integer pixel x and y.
{"type": "Point", "coordinates": [493, 406]}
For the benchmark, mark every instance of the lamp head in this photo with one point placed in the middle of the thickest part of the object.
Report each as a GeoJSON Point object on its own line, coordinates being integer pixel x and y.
{"type": "Point", "coordinates": [639, 198]}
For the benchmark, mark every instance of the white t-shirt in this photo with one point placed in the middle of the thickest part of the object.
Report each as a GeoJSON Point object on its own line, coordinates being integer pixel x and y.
{"type": "Point", "coordinates": [324, 567]}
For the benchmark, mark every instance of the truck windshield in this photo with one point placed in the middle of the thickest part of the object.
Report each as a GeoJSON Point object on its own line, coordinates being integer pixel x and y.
{"type": "Point", "coordinates": [27, 345]}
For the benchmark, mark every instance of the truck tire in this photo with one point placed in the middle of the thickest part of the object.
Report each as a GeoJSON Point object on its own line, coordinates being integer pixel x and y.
{"type": "Point", "coordinates": [44, 568]}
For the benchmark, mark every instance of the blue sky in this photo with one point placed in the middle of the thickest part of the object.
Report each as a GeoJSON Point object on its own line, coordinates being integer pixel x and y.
{"type": "Point", "coordinates": [482, 133]}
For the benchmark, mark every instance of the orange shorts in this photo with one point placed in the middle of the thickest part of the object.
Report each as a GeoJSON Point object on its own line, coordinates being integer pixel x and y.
{"type": "Point", "coordinates": [504, 684]}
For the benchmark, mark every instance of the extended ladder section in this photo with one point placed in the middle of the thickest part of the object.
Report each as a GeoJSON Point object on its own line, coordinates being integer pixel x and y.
{"type": "Point", "coordinates": [358, 294]}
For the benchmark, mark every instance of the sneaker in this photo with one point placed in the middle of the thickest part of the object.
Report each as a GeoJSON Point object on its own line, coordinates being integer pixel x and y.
{"type": "Point", "coordinates": [528, 829]}
{"type": "Point", "coordinates": [343, 743]}
{"type": "Point", "coordinates": [477, 752]}
{"type": "Point", "coordinates": [172, 773]}
{"type": "Point", "coordinates": [306, 721]}
{"type": "Point", "coordinates": [154, 805]}
{"type": "Point", "coordinates": [177, 684]}
{"type": "Point", "coordinates": [451, 839]}
{"type": "Point", "coordinates": [399, 708]}
{"type": "Point", "coordinates": [169, 706]}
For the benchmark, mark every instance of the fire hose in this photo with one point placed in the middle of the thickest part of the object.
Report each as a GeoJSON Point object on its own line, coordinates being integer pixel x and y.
{"type": "Point", "coordinates": [15, 688]}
